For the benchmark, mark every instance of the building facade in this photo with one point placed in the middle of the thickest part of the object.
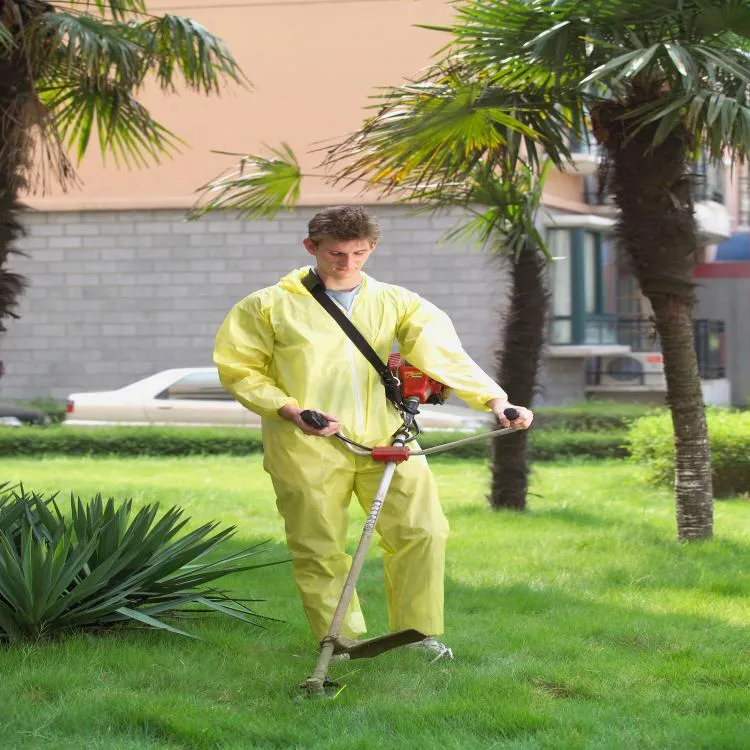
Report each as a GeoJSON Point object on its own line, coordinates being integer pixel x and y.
{"type": "Point", "coordinates": [121, 285]}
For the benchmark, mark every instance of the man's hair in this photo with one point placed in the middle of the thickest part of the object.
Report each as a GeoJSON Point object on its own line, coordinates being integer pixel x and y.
{"type": "Point", "coordinates": [343, 223]}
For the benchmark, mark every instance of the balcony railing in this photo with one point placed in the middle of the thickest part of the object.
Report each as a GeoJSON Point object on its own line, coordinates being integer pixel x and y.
{"type": "Point", "coordinates": [640, 335]}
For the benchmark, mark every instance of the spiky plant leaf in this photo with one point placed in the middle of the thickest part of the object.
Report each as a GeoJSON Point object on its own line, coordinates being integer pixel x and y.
{"type": "Point", "coordinates": [107, 565]}
{"type": "Point", "coordinates": [257, 187]}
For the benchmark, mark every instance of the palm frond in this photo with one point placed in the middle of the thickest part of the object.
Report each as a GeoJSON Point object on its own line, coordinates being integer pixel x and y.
{"type": "Point", "coordinates": [257, 187]}
{"type": "Point", "coordinates": [116, 9]}
{"type": "Point", "coordinates": [504, 205]}
{"type": "Point", "coordinates": [89, 71]}
{"type": "Point", "coordinates": [673, 63]}
{"type": "Point", "coordinates": [175, 45]}
{"type": "Point", "coordinates": [6, 38]}
{"type": "Point", "coordinates": [125, 129]}
{"type": "Point", "coordinates": [441, 127]}
{"type": "Point", "coordinates": [86, 47]}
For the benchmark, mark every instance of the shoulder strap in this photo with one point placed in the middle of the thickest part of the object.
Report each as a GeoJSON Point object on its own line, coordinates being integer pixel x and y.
{"type": "Point", "coordinates": [315, 286]}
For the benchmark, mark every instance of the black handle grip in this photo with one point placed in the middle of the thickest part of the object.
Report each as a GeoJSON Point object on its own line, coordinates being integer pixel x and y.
{"type": "Point", "coordinates": [314, 419]}
{"type": "Point", "coordinates": [510, 413]}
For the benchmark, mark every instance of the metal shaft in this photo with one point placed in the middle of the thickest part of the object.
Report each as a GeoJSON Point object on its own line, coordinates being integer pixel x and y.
{"type": "Point", "coordinates": [315, 682]}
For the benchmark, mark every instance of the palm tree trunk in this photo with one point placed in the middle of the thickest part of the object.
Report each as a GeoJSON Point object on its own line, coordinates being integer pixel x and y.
{"type": "Point", "coordinates": [657, 229]}
{"type": "Point", "coordinates": [518, 364]}
{"type": "Point", "coordinates": [14, 149]}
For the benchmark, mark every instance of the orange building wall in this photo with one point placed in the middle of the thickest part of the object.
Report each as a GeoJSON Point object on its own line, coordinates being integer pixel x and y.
{"type": "Point", "coordinates": [313, 64]}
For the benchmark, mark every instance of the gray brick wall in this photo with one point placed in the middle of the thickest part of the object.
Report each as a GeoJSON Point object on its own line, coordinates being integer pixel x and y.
{"type": "Point", "coordinates": [115, 296]}
{"type": "Point", "coordinates": [561, 381]}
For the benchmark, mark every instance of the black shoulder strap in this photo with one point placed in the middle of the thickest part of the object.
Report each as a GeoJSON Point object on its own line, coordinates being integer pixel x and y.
{"type": "Point", "coordinates": [315, 286]}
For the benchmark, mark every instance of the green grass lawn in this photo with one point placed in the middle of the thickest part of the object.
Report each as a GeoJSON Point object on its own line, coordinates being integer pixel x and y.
{"type": "Point", "coordinates": [580, 624]}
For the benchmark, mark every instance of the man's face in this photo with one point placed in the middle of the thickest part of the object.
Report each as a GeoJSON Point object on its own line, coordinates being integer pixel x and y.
{"type": "Point", "coordinates": [340, 260]}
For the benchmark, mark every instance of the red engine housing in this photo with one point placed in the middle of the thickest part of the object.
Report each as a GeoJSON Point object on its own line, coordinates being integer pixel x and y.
{"type": "Point", "coordinates": [414, 383]}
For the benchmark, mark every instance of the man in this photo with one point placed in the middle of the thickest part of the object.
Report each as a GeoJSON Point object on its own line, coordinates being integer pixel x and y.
{"type": "Point", "coordinates": [279, 352]}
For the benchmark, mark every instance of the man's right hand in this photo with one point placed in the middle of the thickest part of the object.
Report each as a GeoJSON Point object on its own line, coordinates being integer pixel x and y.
{"type": "Point", "coordinates": [292, 413]}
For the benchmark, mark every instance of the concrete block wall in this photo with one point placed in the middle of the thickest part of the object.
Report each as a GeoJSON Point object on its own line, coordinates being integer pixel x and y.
{"type": "Point", "coordinates": [561, 381]}
{"type": "Point", "coordinates": [116, 296]}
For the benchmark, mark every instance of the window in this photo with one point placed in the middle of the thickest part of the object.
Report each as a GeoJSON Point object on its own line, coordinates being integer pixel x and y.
{"type": "Point", "coordinates": [583, 283]}
{"type": "Point", "coordinates": [559, 244]}
{"type": "Point", "coordinates": [202, 386]}
{"type": "Point", "coordinates": [744, 195]}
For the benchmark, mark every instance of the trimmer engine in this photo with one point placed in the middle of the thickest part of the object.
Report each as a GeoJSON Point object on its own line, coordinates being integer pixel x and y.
{"type": "Point", "coordinates": [415, 384]}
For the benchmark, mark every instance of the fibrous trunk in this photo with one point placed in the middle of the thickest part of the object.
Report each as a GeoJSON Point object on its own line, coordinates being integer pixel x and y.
{"type": "Point", "coordinates": [15, 98]}
{"type": "Point", "coordinates": [518, 365]}
{"type": "Point", "coordinates": [657, 229]}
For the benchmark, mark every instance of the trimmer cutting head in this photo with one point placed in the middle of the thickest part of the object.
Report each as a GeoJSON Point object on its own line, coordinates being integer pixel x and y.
{"type": "Point", "coordinates": [315, 687]}
{"type": "Point", "coordinates": [376, 646]}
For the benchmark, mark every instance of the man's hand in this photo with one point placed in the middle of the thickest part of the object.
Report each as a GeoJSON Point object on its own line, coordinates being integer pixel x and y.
{"type": "Point", "coordinates": [292, 413]}
{"type": "Point", "coordinates": [521, 422]}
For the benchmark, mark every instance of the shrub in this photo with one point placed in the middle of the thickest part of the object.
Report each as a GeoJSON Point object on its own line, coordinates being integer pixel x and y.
{"type": "Point", "coordinates": [129, 441]}
{"type": "Point", "coordinates": [55, 409]}
{"type": "Point", "coordinates": [544, 445]}
{"type": "Point", "coordinates": [106, 566]}
{"type": "Point", "coordinates": [592, 416]}
{"type": "Point", "coordinates": [651, 444]}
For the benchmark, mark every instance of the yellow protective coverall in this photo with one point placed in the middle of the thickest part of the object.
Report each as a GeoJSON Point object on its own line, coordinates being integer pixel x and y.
{"type": "Point", "coordinates": [278, 346]}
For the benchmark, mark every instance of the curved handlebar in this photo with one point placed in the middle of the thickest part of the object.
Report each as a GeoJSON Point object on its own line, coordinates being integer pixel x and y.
{"type": "Point", "coordinates": [318, 421]}
{"type": "Point", "coordinates": [314, 419]}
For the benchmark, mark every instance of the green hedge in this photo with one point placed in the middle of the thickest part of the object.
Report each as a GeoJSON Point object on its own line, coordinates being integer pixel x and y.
{"type": "Point", "coordinates": [589, 416]}
{"type": "Point", "coordinates": [55, 409]}
{"type": "Point", "coordinates": [651, 444]}
{"type": "Point", "coordinates": [128, 441]}
{"type": "Point", "coordinates": [592, 416]}
{"type": "Point", "coordinates": [545, 445]}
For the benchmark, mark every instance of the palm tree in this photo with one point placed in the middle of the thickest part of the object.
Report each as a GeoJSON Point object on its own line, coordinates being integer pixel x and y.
{"type": "Point", "coordinates": [660, 80]}
{"type": "Point", "coordinates": [72, 71]}
{"type": "Point", "coordinates": [505, 200]}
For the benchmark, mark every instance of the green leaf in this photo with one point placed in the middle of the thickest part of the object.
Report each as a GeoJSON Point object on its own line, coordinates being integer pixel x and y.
{"type": "Point", "coordinates": [152, 622]}
{"type": "Point", "coordinates": [639, 62]}
{"type": "Point", "coordinates": [684, 64]}
{"type": "Point", "coordinates": [608, 69]}
{"type": "Point", "coordinates": [7, 42]}
{"type": "Point", "coordinates": [176, 45]}
{"type": "Point", "coordinates": [119, 568]}
{"type": "Point", "coordinates": [120, 8]}
{"type": "Point", "coordinates": [218, 607]}
{"type": "Point", "coordinates": [125, 128]}
{"type": "Point", "coordinates": [258, 187]}
{"type": "Point", "coordinates": [9, 625]}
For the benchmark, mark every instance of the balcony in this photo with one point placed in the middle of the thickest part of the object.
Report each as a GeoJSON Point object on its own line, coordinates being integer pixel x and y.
{"type": "Point", "coordinates": [711, 216]}
{"type": "Point", "coordinates": [623, 356]}
{"type": "Point", "coordinates": [635, 334]}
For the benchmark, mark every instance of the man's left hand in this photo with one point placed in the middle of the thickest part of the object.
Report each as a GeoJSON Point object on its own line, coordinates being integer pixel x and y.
{"type": "Point", "coordinates": [521, 422]}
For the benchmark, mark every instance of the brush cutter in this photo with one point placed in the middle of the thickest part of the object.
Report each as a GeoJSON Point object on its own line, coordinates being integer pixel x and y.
{"type": "Point", "coordinates": [416, 388]}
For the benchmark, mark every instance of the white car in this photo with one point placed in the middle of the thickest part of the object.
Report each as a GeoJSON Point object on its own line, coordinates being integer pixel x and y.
{"type": "Point", "coordinates": [194, 396]}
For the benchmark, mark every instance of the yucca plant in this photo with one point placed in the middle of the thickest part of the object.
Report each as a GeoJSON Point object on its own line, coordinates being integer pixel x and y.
{"type": "Point", "coordinates": [107, 565]}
